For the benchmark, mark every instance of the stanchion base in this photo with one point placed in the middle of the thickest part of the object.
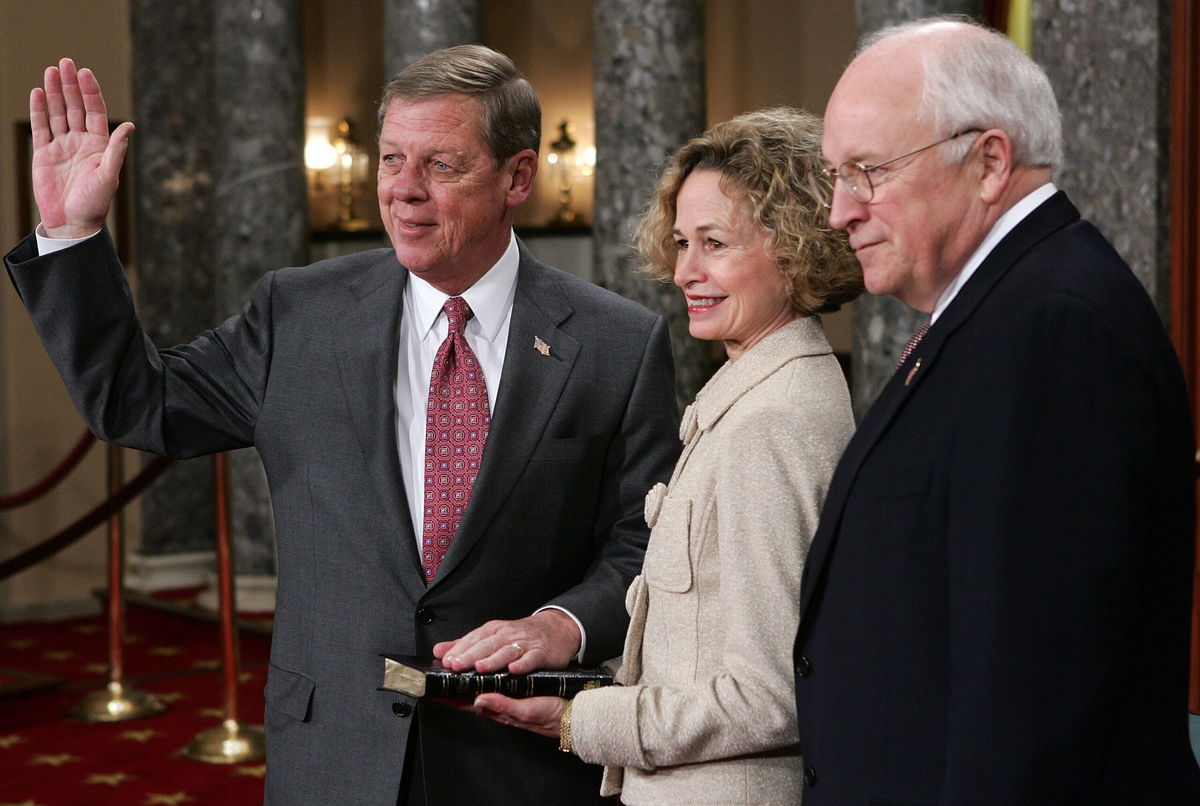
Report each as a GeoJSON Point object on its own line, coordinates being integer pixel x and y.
{"type": "Point", "coordinates": [230, 743]}
{"type": "Point", "coordinates": [117, 703]}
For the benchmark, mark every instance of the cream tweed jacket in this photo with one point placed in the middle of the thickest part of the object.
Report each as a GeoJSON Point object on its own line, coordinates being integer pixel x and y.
{"type": "Point", "coordinates": [706, 711]}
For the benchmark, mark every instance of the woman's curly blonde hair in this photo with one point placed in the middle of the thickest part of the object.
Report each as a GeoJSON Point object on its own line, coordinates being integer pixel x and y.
{"type": "Point", "coordinates": [771, 158]}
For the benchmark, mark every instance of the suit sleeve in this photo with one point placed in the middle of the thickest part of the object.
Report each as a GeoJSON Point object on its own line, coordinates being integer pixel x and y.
{"type": "Point", "coordinates": [1052, 557]}
{"type": "Point", "coordinates": [641, 455]}
{"type": "Point", "coordinates": [184, 401]}
{"type": "Point", "coordinates": [769, 485]}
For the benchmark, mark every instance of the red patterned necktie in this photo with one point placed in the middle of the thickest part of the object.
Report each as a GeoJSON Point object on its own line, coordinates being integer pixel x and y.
{"type": "Point", "coordinates": [917, 335]}
{"type": "Point", "coordinates": [456, 428]}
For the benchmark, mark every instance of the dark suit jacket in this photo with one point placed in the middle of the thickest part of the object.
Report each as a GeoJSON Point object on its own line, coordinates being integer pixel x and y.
{"type": "Point", "coordinates": [995, 607]}
{"type": "Point", "coordinates": [305, 374]}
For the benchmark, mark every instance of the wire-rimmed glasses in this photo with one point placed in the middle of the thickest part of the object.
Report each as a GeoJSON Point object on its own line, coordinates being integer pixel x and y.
{"type": "Point", "coordinates": [857, 177]}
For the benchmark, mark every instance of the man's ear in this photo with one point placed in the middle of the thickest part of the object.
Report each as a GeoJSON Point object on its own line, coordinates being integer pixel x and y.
{"type": "Point", "coordinates": [995, 150]}
{"type": "Point", "coordinates": [521, 168]}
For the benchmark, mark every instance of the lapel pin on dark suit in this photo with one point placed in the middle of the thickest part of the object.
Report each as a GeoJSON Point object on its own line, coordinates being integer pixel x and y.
{"type": "Point", "coordinates": [541, 346]}
{"type": "Point", "coordinates": [912, 372]}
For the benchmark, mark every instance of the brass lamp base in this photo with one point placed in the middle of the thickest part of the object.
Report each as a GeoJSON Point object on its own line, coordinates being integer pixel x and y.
{"type": "Point", "coordinates": [230, 743]}
{"type": "Point", "coordinates": [117, 703]}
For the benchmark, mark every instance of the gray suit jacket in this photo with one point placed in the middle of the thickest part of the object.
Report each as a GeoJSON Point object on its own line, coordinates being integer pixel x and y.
{"type": "Point", "coordinates": [305, 374]}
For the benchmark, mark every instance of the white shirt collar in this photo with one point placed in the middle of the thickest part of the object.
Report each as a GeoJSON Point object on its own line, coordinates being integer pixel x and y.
{"type": "Point", "coordinates": [490, 298]}
{"type": "Point", "coordinates": [1004, 225]}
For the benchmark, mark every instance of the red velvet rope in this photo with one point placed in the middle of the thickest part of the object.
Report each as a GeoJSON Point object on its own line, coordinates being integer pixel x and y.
{"type": "Point", "coordinates": [91, 520]}
{"type": "Point", "coordinates": [53, 478]}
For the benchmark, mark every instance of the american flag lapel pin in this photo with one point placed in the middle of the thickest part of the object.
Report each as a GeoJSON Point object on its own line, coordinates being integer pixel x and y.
{"type": "Point", "coordinates": [912, 372]}
{"type": "Point", "coordinates": [541, 346]}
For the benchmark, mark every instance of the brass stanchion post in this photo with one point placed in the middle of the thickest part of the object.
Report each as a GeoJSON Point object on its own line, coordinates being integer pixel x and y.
{"type": "Point", "coordinates": [232, 742]}
{"type": "Point", "coordinates": [118, 702]}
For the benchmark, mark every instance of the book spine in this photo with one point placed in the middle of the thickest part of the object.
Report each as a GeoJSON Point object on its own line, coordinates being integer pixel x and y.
{"type": "Point", "coordinates": [453, 686]}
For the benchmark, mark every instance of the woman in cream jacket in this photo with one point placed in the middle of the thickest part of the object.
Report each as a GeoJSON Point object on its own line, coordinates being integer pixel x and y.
{"type": "Point", "coordinates": [705, 711]}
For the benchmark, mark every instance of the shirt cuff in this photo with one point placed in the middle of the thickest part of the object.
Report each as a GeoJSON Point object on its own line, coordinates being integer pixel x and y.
{"type": "Point", "coordinates": [46, 244]}
{"type": "Point", "coordinates": [582, 632]}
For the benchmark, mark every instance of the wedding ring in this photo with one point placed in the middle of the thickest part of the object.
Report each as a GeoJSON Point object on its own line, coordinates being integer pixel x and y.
{"type": "Point", "coordinates": [520, 649]}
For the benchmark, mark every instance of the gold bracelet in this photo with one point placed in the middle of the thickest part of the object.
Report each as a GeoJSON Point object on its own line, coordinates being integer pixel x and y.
{"type": "Point", "coordinates": [564, 728]}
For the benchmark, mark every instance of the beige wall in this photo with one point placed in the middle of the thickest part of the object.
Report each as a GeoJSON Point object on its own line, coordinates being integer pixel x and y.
{"type": "Point", "coordinates": [779, 53]}
{"type": "Point", "coordinates": [775, 52]}
{"type": "Point", "coordinates": [760, 53]}
{"type": "Point", "coordinates": [39, 425]}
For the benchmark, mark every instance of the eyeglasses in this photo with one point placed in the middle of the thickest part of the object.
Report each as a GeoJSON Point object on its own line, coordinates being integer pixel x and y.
{"type": "Point", "coordinates": [857, 177]}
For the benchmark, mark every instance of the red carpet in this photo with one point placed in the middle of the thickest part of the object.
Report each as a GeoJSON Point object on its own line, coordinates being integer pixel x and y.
{"type": "Point", "coordinates": [48, 758]}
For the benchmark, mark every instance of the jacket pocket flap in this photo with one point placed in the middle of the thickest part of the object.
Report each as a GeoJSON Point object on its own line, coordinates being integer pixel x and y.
{"type": "Point", "coordinates": [668, 564]}
{"type": "Point", "coordinates": [289, 692]}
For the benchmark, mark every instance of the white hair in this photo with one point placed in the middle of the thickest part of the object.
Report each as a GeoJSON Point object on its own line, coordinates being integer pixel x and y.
{"type": "Point", "coordinates": [977, 78]}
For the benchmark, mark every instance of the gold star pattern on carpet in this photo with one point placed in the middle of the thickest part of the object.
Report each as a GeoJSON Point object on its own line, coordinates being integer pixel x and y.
{"type": "Point", "coordinates": [142, 736]}
{"type": "Point", "coordinates": [22, 803]}
{"type": "Point", "coordinates": [257, 771]}
{"type": "Point", "coordinates": [165, 651]}
{"type": "Point", "coordinates": [112, 778]}
{"type": "Point", "coordinates": [86, 629]}
{"type": "Point", "coordinates": [10, 740]}
{"type": "Point", "coordinates": [169, 800]}
{"type": "Point", "coordinates": [216, 713]}
{"type": "Point", "coordinates": [207, 663]}
{"type": "Point", "coordinates": [20, 643]}
{"type": "Point", "coordinates": [58, 654]}
{"type": "Point", "coordinates": [53, 760]}
{"type": "Point", "coordinates": [96, 668]}
{"type": "Point", "coordinates": [170, 696]}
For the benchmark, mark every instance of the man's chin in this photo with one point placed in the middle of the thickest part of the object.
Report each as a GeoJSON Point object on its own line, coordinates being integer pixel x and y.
{"type": "Point", "coordinates": [417, 262]}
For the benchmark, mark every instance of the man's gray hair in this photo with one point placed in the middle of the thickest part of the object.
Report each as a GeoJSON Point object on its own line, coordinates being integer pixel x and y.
{"type": "Point", "coordinates": [512, 115]}
{"type": "Point", "coordinates": [977, 78]}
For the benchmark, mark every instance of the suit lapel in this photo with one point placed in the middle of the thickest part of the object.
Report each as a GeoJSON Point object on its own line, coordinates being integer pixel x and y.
{"type": "Point", "coordinates": [530, 387]}
{"type": "Point", "coordinates": [368, 348]}
{"type": "Point", "coordinates": [1054, 214]}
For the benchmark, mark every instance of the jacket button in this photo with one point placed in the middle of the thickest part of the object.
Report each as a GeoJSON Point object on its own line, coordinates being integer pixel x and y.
{"type": "Point", "coordinates": [401, 709]}
{"type": "Point", "coordinates": [424, 615]}
{"type": "Point", "coordinates": [803, 667]}
{"type": "Point", "coordinates": [810, 776]}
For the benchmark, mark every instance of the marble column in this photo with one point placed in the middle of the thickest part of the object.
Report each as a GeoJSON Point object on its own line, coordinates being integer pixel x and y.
{"type": "Point", "coordinates": [1109, 63]}
{"type": "Point", "coordinates": [413, 28]}
{"type": "Point", "coordinates": [173, 162]}
{"type": "Point", "coordinates": [219, 182]}
{"type": "Point", "coordinates": [259, 203]}
{"type": "Point", "coordinates": [882, 325]}
{"type": "Point", "coordinates": [649, 99]}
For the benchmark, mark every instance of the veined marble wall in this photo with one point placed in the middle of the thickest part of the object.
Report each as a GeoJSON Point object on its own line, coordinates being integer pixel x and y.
{"type": "Point", "coordinates": [1109, 62]}
{"type": "Point", "coordinates": [174, 181]}
{"type": "Point", "coordinates": [649, 89]}
{"type": "Point", "coordinates": [413, 28]}
{"type": "Point", "coordinates": [218, 88]}
{"type": "Point", "coordinates": [260, 205]}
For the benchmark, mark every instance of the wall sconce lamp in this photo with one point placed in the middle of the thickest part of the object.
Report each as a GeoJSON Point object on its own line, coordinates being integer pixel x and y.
{"type": "Point", "coordinates": [566, 165]}
{"type": "Point", "coordinates": [340, 159]}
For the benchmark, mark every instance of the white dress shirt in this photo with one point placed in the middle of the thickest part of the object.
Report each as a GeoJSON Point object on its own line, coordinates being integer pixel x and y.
{"type": "Point", "coordinates": [422, 330]}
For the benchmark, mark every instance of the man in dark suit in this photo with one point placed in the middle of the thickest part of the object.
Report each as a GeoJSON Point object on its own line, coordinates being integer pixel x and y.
{"type": "Point", "coordinates": [995, 605]}
{"type": "Point", "coordinates": [327, 372]}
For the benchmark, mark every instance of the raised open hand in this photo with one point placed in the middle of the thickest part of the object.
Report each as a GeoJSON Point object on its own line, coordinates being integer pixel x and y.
{"type": "Point", "coordinates": [76, 163]}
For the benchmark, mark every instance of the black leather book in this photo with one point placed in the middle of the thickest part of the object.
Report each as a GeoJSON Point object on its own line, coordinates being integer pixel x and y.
{"type": "Point", "coordinates": [421, 677]}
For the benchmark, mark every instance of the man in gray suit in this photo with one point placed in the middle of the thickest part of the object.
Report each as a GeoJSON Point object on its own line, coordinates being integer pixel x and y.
{"type": "Point", "coordinates": [327, 373]}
